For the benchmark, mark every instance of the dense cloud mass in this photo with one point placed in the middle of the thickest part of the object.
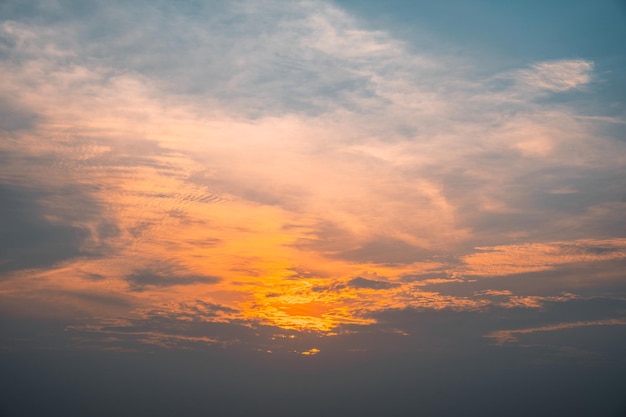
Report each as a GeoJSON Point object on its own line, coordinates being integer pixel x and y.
{"type": "Point", "coordinates": [317, 207]}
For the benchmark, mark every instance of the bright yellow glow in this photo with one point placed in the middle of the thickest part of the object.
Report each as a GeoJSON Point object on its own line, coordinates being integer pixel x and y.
{"type": "Point", "coordinates": [312, 351]}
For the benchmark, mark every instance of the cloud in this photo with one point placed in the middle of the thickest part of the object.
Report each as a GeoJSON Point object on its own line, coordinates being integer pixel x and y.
{"type": "Point", "coordinates": [312, 351]}
{"type": "Point", "coordinates": [233, 186]}
{"type": "Point", "coordinates": [557, 76]}
{"type": "Point", "coordinates": [383, 110]}
{"type": "Point", "coordinates": [508, 336]}
{"type": "Point", "coordinates": [268, 141]}
{"type": "Point", "coordinates": [143, 279]}
{"type": "Point", "coordinates": [30, 239]}
{"type": "Point", "coordinates": [190, 310]}
{"type": "Point", "coordinates": [384, 250]}
{"type": "Point", "coordinates": [534, 257]}
{"type": "Point", "coordinates": [13, 117]}
{"type": "Point", "coordinates": [360, 283]}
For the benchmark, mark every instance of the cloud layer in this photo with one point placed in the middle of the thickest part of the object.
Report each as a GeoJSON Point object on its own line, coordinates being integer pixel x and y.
{"type": "Point", "coordinates": [294, 170]}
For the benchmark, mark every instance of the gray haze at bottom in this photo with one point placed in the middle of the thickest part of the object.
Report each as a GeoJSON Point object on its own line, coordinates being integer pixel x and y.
{"type": "Point", "coordinates": [492, 382]}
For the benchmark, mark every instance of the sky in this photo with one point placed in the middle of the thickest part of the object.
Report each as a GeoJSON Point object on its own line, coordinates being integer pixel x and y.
{"type": "Point", "coordinates": [271, 207]}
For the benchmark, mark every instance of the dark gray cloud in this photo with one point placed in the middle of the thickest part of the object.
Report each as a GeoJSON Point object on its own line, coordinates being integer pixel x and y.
{"type": "Point", "coordinates": [429, 275]}
{"type": "Point", "coordinates": [326, 237]}
{"type": "Point", "coordinates": [191, 311]}
{"type": "Point", "coordinates": [583, 278]}
{"type": "Point", "coordinates": [28, 239]}
{"type": "Point", "coordinates": [14, 117]}
{"type": "Point", "coordinates": [333, 239]}
{"type": "Point", "coordinates": [446, 329]}
{"type": "Point", "coordinates": [384, 250]}
{"type": "Point", "coordinates": [62, 303]}
{"type": "Point", "coordinates": [92, 276]}
{"type": "Point", "coordinates": [360, 282]}
{"type": "Point", "coordinates": [142, 279]}
{"type": "Point", "coordinates": [559, 201]}
{"type": "Point", "coordinates": [357, 283]}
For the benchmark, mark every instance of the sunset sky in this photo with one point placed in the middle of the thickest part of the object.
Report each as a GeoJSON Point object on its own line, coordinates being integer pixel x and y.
{"type": "Point", "coordinates": [294, 208]}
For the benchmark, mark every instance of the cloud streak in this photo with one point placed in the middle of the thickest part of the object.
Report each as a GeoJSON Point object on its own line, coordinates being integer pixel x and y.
{"type": "Point", "coordinates": [510, 336]}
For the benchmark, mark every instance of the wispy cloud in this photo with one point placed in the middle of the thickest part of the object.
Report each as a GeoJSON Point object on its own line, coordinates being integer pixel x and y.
{"type": "Point", "coordinates": [557, 76]}
{"type": "Point", "coordinates": [533, 257]}
{"type": "Point", "coordinates": [509, 336]}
